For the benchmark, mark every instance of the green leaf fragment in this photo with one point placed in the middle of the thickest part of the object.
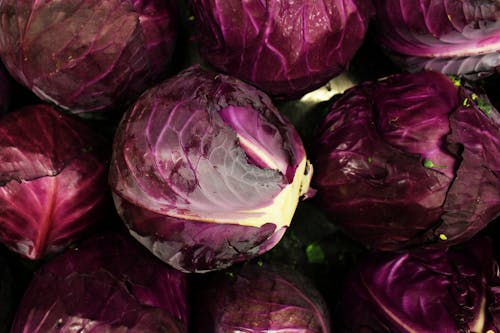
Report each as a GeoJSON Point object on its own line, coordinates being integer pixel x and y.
{"type": "Point", "coordinates": [482, 105]}
{"type": "Point", "coordinates": [315, 254]}
{"type": "Point", "coordinates": [456, 80]}
{"type": "Point", "coordinates": [430, 164]}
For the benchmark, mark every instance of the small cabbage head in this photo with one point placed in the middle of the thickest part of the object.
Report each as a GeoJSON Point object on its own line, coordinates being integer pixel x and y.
{"type": "Point", "coordinates": [286, 48]}
{"type": "Point", "coordinates": [109, 283]}
{"type": "Point", "coordinates": [87, 55]}
{"type": "Point", "coordinates": [206, 172]}
{"type": "Point", "coordinates": [53, 180]}
{"type": "Point", "coordinates": [410, 160]}
{"type": "Point", "coordinates": [257, 298]}
{"type": "Point", "coordinates": [453, 37]}
{"type": "Point", "coordinates": [448, 290]}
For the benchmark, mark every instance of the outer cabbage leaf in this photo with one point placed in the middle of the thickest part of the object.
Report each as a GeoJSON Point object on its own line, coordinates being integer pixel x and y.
{"type": "Point", "coordinates": [53, 172]}
{"type": "Point", "coordinates": [259, 299]}
{"type": "Point", "coordinates": [201, 151]}
{"type": "Point", "coordinates": [286, 48]}
{"type": "Point", "coordinates": [109, 283]}
{"type": "Point", "coordinates": [410, 160]}
{"type": "Point", "coordinates": [454, 290]}
{"type": "Point", "coordinates": [87, 55]}
{"type": "Point", "coordinates": [454, 37]}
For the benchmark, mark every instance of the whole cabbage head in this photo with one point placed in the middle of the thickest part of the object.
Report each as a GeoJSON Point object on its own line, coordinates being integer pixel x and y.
{"type": "Point", "coordinates": [410, 160]}
{"type": "Point", "coordinates": [257, 298]}
{"type": "Point", "coordinates": [53, 180]}
{"type": "Point", "coordinates": [286, 48]}
{"type": "Point", "coordinates": [442, 290]}
{"type": "Point", "coordinates": [87, 55]}
{"type": "Point", "coordinates": [206, 172]}
{"type": "Point", "coordinates": [453, 37]}
{"type": "Point", "coordinates": [109, 283]}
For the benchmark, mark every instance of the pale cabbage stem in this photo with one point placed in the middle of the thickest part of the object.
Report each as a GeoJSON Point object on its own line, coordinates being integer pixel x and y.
{"type": "Point", "coordinates": [478, 326]}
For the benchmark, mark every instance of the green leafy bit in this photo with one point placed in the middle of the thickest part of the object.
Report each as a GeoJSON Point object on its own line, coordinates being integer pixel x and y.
{"type": "Point", "coordinates": [315, 254]}
{"type": "Point", "coordinates": [456, 80]}
{"type": "Point", "coordinates": [430, 164]}
{"type": "Point", "coordinates": [483, 105]}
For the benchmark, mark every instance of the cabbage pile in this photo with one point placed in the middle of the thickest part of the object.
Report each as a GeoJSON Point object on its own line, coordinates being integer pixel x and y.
{"type": "Point", "coordinates": [210, 166]}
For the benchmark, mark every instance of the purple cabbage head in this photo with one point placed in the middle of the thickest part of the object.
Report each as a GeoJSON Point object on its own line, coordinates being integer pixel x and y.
{"type": "Point", "coordinates": [109, 283]}
{"type": "Point", "coordinates": [410, 160]}
{"type": "Point", "coordinates": [87, 55]}
{"type": "Point", "coordinates": [259, 299]}
{"type": "Point", "coordinates": [453, 37]}
{"type": "Point", "coordinates": [286, 48]}
{"type": "Point", "coordinates": [53, 180]}
{"type": "Point", "coordinates": [449, 290]}
{"type": "Point", "coordinates": [206, 172]}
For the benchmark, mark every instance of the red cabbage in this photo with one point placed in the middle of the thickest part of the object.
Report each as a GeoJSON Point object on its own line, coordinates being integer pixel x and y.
{"type": "Point", "coordinates": [454, 37]}
{"type": "Point", "coordinates": [410, 160]}
{"type": "Point", "coordinates": [286, 48]}
{"type": "Point", "coordinates": [206, 172]}
{"type": "Point", "coordinates": [259, 299]}
{"type": "Point", "coordinates": [109, 283]}
{"type": "Point", "coordinates": [87, 55]}
{"type": "Point", "coordinates": [453, 290]}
